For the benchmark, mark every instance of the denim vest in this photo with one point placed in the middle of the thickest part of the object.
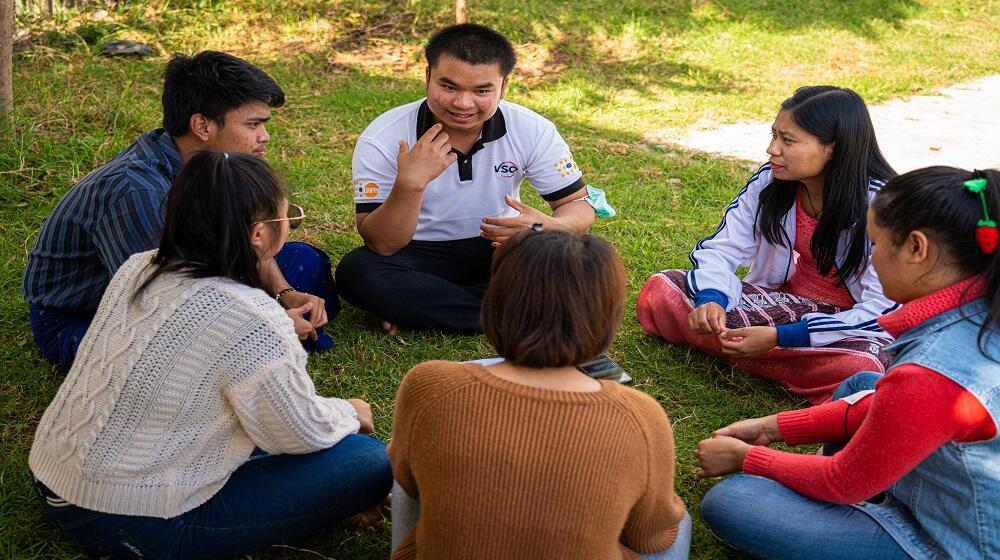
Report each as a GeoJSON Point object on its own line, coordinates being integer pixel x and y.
{"type": "Point", "coordinates": [948, 506]}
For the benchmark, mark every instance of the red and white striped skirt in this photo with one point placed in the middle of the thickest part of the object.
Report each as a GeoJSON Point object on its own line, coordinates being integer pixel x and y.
{"type": "Point", "coordinates": [813, 372]}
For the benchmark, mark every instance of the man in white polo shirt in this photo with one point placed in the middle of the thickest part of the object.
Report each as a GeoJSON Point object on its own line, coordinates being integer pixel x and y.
{"type": "Point", "coordinates": [436, 187]}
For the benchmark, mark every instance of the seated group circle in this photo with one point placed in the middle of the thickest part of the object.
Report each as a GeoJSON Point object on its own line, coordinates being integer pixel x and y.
{"type": "Point", "coordinates": [187, 426]}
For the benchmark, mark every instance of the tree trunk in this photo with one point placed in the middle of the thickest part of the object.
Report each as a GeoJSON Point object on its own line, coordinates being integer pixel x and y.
{"type": "Point", "coordinates": [6, 57]}
{"type": "Point", "coordinates": [460, 15]}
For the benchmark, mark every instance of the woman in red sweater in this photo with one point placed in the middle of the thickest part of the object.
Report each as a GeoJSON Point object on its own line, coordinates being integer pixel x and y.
{"type": "Point", "coordinates": [918, 475]}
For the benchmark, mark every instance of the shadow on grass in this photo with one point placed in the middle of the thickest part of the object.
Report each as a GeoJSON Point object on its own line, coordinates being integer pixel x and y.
{"type": "Point", "coordinates": [856, 16]}
{"type": "Point", "coordinates": [595, 37]}
{"type": "Point", "coordinates": [639, 17]}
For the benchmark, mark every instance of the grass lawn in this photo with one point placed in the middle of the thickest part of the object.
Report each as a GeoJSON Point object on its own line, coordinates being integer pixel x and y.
{"type": "Point", "coordinates": [612, 75]}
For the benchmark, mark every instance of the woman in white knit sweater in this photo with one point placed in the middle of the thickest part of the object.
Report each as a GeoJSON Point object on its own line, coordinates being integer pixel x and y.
{"type": "Point", "coordinates": [188, 426]}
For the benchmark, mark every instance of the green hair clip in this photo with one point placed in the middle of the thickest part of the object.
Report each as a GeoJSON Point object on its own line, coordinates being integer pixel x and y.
{"type": "Point", "coordinates": [987, 235]}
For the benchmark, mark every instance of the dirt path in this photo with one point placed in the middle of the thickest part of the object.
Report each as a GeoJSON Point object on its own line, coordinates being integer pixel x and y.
{"type": "Point", "coordinates": [958, 126]}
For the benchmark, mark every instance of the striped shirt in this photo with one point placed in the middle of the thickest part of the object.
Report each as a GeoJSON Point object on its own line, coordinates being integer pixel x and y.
{"type": "Point", "coordinates": [114, 212]}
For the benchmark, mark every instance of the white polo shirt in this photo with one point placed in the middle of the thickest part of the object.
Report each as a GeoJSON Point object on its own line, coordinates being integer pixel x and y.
{"type": "Point", "coordinates": [515, 143]}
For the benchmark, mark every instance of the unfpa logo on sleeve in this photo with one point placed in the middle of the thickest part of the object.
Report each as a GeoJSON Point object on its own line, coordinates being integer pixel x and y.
{"type": "Point", "coordinates": [367, 190]}
{"type": "Point", "coordinates": [566, 166]}
{"type": "Point", "coordinates": [506, 169]}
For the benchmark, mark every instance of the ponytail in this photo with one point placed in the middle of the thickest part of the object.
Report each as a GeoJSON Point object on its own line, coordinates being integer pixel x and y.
{"type": "Point", "coordinates": [985, 235]}
{"type": "Point", "coordinates": [959, 209]}
{"type": "Point", "coordinates": [209, 212]}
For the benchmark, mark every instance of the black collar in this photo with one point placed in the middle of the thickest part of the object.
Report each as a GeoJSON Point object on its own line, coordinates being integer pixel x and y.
{"type": "Point", "coordinates": [493, 129]}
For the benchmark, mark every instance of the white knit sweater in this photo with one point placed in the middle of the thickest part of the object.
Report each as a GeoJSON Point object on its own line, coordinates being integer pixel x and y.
{"type": "Point", "coordinates": [170, 394]}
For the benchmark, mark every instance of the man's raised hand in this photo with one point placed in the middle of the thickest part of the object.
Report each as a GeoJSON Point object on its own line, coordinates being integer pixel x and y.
{"type": "Point", "coordinates": [425, 160]}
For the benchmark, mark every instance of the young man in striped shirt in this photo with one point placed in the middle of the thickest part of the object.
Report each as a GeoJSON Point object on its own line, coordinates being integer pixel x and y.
{"type": "Point", "coordinates": [211, 101]}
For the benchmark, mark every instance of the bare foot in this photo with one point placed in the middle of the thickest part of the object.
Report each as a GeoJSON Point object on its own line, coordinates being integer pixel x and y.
{"type": "Point", "coordinates": [390, 328]}
{"type": "Point", "coordinates": [372, 520]}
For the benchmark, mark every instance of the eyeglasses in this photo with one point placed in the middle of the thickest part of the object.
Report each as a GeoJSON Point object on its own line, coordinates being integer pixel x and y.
{"type": "Point", "coordinates": [295, 216]}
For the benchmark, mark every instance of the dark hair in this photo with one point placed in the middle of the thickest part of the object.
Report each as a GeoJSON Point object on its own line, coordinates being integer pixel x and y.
{"type": "Point", "coordinates": [211, 207]}
{"type": "Point", "coordinates": [836, 116]}
{"type": "Point", "coordinates": [555, 299]}
{"type": "Point", "coordinates": [934, 201]}
{"type": "Point", "coordinates": [212, 83]}
{"type": "Point", "coordinates": [473, 43]}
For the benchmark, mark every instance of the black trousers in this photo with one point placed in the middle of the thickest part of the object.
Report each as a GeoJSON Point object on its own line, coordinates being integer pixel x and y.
{"type": "Point", "coordinates": [427, 284]}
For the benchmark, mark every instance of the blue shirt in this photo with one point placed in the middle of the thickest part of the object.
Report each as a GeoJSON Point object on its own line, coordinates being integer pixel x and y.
{"type": "Point", "coordinates": [114, 212]}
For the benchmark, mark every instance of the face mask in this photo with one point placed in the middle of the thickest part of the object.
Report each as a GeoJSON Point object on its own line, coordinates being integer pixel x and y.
{"type": "Point", "coordinates": [599, 201]}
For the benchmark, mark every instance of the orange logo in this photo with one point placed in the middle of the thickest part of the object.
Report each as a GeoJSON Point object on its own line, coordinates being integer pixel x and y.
{"type": "Point", "coordinates": [566, 166]}
{"type": "Point", "coordinates": [371, 190]}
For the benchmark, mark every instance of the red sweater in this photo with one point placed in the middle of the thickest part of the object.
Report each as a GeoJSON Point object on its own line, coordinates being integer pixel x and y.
{"type": "Point", "coordinates": [807, 281]}
{"type": "Point", "coordinates": [915, 411]}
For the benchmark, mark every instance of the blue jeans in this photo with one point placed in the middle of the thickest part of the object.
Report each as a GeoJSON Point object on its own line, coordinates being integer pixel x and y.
{"type": "Point", "coordinates": [681, 547]}
{"type": "Point", "coordinates": [765, 519]}
{"type": "Point", "coordinates": [861, 381]}
{"type": "Point", "coordinates": [270, 499]}
{"type": "Point", "coordinates": [307, 269]}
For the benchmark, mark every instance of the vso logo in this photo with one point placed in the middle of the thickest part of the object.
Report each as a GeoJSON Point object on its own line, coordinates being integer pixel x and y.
{"type": "Point", "coordinates": [505, 169]}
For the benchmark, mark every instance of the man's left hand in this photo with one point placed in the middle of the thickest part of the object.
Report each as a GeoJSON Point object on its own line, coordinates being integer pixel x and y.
{"type": "Point", "coordinates": [293, 300]}
{"type": "Point", "coordinates": [499, 230]}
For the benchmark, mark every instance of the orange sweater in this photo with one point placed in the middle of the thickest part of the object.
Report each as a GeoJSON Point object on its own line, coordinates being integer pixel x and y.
{"type": "Point", "coordinates": [504, 470]}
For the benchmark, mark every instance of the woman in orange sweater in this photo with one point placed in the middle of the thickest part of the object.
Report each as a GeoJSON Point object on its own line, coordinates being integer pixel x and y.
{"type": "Point", "coordinates": [529, 457]}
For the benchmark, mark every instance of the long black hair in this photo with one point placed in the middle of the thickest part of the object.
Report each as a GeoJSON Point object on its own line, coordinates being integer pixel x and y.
{"type": "Point", "coordinates": [835, 116]}
{"type": "Point", "coordinates": [935, 201]}
{"type": "Point", "coordinates": [211, 207]}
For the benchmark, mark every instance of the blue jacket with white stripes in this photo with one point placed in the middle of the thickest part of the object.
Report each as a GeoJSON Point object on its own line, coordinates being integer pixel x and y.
{"type": "Point", "coordinates": [739, 242]}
